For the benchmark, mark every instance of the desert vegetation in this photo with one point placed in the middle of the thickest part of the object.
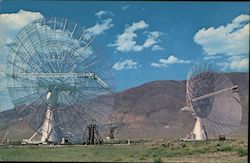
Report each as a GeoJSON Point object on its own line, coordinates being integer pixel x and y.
{"type": "Point", "coordinates": [143, 150]}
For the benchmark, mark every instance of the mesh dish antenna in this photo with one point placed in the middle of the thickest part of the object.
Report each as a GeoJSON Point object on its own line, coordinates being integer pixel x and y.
{"type": "Point", "coordinates": [57, 75]}
{"type": "Point", "coordinates": [214, 101]}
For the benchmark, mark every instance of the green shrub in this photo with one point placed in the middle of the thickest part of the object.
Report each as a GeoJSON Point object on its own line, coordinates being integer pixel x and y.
{"type": "Point", "coordinates": [158, 159]}
{"type": "Point", "coordinates": [242, 152]}
{"type": "Point", "coordinates": [119, 159]}
{"type": "Point", "coordinates": [163, 145]}
{"type": "Point", "coordinates": [225, 148]}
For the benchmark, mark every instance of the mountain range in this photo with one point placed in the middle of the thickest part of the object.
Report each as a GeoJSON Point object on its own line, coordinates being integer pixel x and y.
{"type": "Point", "coordinates": [151, 110]}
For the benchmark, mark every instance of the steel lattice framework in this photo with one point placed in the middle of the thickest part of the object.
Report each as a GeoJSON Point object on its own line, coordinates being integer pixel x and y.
{"type": "Point", "coordinates": [213, 99]}
{"type": "Point", "coordinates": [57, 75]}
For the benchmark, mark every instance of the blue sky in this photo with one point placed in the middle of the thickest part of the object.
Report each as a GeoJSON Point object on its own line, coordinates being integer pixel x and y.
{"type": "Point", "coordinates": [145, 41]}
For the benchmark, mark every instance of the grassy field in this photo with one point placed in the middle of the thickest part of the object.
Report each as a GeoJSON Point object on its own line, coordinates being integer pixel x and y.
{"type": "Point", "coordinates": [137, 151]}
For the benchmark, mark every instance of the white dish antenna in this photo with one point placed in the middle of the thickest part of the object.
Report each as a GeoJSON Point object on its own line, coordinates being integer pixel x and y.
{"type": "Point", "coordinates": [214, 101]}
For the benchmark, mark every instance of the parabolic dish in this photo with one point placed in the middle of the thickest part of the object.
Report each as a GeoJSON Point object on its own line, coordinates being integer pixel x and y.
{"type": "Point", "coordinates": [55, 62]}
{"type": "Point", "coordinates": [214, 99]}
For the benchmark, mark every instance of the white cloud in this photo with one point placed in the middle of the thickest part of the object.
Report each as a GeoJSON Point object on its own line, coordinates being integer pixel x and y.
{"type": "Point", "coordinates": [210, 57]}
{"type": "Point", "coordinates": [126, 41]}
{"type": "Point", "coordinates": [100, 28]}
{"type": "Point", "coordinates": [230, 41]}
{"type": "Point", "coordinates": [125, 7]}
{"type": "Point", "coordinates": [126, 64]}
{"type": "Point", "coordinates": [17, 20]}
{"type": "Point", "coordinates": [11, 24]}
{"type": "Point", "coordinates": [170, 60]}
{"type": "Point", "coordinates": [157, 65]}
{"type": "Point", "coordinates": [238, 63]}
{"type": "Point", "coordinates": [101, 13]}
{"type": "Point", "coordinates": [136, 26]}
{"type": "Point", "coordinates": [152, 39]}
{"type": "Point", "coordinates": [157, 48]}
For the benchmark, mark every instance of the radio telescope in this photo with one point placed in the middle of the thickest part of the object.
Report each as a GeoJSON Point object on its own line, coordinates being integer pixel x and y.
{"type": "Point", "coordinates": [213, 100]}
{"type": "Point", "coordinates": [57, 75]}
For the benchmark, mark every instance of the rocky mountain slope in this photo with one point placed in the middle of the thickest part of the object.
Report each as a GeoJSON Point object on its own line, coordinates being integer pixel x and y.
{"type": "Point", "coordinates": [149, 110]}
